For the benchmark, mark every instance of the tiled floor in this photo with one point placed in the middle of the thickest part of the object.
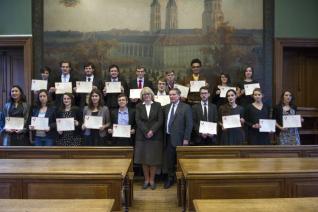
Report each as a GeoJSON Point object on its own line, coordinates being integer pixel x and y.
{"type": "Point", "coordinates": [159, 200]}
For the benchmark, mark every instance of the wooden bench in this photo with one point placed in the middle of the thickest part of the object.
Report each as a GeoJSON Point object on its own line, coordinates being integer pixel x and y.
{"type": "Point", "coordinates": [37, 205]}
{"type": "Point", "coordinates": [308, 204]}
{"type": "Point", "coordinates": [272, 151]}
{"type": "Point", "coordinates": [65, 179]}
{"type": "Point", "coordinates": [25, 152]}
{"type": "Point", "coordinates": [244, 178]}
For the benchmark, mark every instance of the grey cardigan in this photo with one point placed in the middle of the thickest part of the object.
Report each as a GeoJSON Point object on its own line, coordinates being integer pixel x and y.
{"type": "Point", "coordinates": [103, 112]}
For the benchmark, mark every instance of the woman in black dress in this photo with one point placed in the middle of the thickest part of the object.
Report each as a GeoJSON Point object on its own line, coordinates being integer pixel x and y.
{"type": "Point", "coordinates": [253, 113]}
{"type": "Point", "coordinates": [96, 137]}
{"type": "Point", "coordinates": [67, 110]}
{"type": "Point", "coordinates": [225, 81]}
{"type": "Point", "coordinates": [149, 136]}
{"type": "Point", "coordinates": [16, 107]}
{"type": "Point", "coordinates": [245, 100]}
{"type": "Point", "coordinates": [231, 136]}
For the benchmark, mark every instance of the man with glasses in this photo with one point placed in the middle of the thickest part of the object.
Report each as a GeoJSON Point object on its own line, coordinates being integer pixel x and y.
{"type": "Point", "coordinates": [203, 111]}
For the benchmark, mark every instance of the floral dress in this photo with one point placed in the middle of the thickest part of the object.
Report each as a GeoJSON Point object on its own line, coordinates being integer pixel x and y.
{"type": "Point", "coordinates": [290, 136]}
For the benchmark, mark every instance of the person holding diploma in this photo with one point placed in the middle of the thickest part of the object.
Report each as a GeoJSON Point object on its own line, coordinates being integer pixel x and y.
{"type": "Point", "coordinates": [149, 136]}
{"type": "Point", "coordinates": [123, 115]}
{"type": "Point", "coordinates": [44, 109]}
{"type": "Point", "coordinates": [231, 136]}
{"type": "Point", "coordinates": [203, 111]}
{"type": "Point", "coordinates": [243, 99]}
{"type": "Point", "coordinates": [110, 99]}
{"type": "Point", "coordinates": [89, 76]}
{"type": "Point", "coordinates": [96, 137]}
{"type": "Point", "coordinates": [16, 107]}
{"type": "Point", "coordinates": [286, 106]}
{"type": "Point", "coordinates": [225, 81]}
{"type": "Point", "coordinates": [67, 110]}
{"type": "Point", "coordinates": [253, 113]}
{"type": "Point", "coordinates": [196, 65]}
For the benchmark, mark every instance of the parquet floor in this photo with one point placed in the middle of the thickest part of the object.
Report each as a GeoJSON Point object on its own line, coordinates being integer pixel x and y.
{"type": "Point", "coordinates": [159, 200]}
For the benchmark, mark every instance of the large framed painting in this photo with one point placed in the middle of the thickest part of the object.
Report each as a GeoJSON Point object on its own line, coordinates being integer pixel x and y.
{"type": "Point", "coordinates": [226, 35]}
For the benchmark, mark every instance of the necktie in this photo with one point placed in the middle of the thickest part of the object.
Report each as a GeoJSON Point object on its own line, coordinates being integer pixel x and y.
{"type": "Point", "coordinates": [171, 118]}
{"type": "Point", "coordinates": [205, 113]}
{"type": "Point", "coordinates": [88, 79]}
{"type": "Point", "coordinates": [139, 84]}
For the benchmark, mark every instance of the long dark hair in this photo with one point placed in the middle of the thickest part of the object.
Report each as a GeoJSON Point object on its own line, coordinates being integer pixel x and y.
{"type": "Point", "coordinates": [22, 96]}
{"type": "Point", "coordinates": [38, 102]}
{"type": "Point", "coordinates": [292, 101]}
{"type": "Point", "coordinates": [226, 108]}
{"type": "Point", "coordinates": [228, 78]}
{"type": "Point", "coordinates": [101, 101]}
{"type": "Point", "coordinates": [62, 107]}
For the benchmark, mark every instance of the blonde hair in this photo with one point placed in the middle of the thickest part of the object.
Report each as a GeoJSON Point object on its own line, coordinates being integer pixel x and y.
{"type": "Point", "coordinates": [147, 90]}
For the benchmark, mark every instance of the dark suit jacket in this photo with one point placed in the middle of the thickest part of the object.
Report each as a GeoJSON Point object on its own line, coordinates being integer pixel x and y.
{"type": "Point", "coordinates": [81, 97]}
{"type": "Point", "coordinates": [197, 113]}
{"type": "Point", "coordinates": [181, 127]}
{"type": "Point", "coordinates": [57, 98]}
{"type": "Point", "coordinates": [111, 98]}
{"type": "Point", "coordinates": [51, 114]}
{"type": "Point", "coordinates": [147, 83]}
{"type": "Point", "coordinates": [145, 124]}
{"type": "Point", "coordinates": [193, 97]}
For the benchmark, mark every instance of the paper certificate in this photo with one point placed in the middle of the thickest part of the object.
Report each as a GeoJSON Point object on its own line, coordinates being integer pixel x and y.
{"type": "Point", "coordinates": [267, 125]}
{"type": "Point", "coordinates": [93, 122]}
{"type": "Point", "coordinates": [40, 123]}
{"type": "Point", "coordinates": [38, 85]}
{"type": "Point", "coordinates": [224, 89]}
{"type": "Point", "coordinates": [184, 90]}
{"type": "Point", "coordinates": [63, 87]}
{"type": "Point", "coordinates": [113, 87]}
{"type": "Point", "coordinates": [84, 87]}
{"type": "Point", "coordinates": [14, 123]}
{"type": "Point", "coordinates": [232, 121]}
{"type": "Point", "coordinates": [163, 100]}
{"type": "Point", "coordinates": [122, 131]}
{"type": "Point", "coordinates": [291, 121]}
{"type": "Point", "coordinates": [134, 93]}
{"type": "Point", "coordinates": [196, 85]}
{"type": "Point", "coordinates": [65, 124]}
{"type": "Point", "coordinates": [207, 127]}
{"type": "Point", "coordinates": [249, 88]}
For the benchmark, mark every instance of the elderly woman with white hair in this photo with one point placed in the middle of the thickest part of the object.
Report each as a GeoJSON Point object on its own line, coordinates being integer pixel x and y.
{"type": "Point", "coordinates": [149, 136]}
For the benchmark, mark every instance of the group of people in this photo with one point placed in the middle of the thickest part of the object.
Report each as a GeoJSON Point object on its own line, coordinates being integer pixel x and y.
{"type": "Point", "coordinates": [156, 130]}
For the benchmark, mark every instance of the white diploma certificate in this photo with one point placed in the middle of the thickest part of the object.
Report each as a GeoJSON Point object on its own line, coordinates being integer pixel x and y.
{"type": "Point", "coordinates": [163, 100]}
{"type": "Point", "coordinates": [65, 124]}
{"type": "Point", "coordinates": [38, 85]}
{"type": "Point", "coordinates": [63, 87]}
{"type": "Point", "coordinates": [113, 87]}
{"type": "Point", "coordinates": [232, 121]}
{"type": "Point", "coordinates": [134, 93]}
{"type": "Point", "coordinates": [224, 89]}
{"type": "Point", "coordinates": [122, 131]}
{"type": "Point", "coordinates": [267, 125]}
{"type": "Point", "coordinates": [291, 121]}
{"type": "Point", "coordinates": [196, 85]}
{"type": "Point", "coordinates": [93, 122]}
{"type": "Point", "coordinates": [84, 87]}
{"type": "Point", "coordinates": [184, 90]}
{"type": "Point", "coordinates": [14, 123]}
{"type": "Point", "coordinates": [40, 123]}
{"type": "Point", "coordinates": [249, 88]}
{"type": "Point", "coordinates": [207, 127]}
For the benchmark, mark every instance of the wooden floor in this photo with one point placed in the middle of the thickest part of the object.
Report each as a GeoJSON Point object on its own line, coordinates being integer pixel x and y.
{"type": "Point", "coordinates": [159, 200]}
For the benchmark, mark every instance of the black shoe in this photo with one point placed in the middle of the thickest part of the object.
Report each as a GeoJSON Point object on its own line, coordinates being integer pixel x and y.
{"type": "Point", "coordinates": [153, 186]}
{"type": "Point", "coordinates": [168, 184]}
{"type": "Point", "coordinates": [145, 185]}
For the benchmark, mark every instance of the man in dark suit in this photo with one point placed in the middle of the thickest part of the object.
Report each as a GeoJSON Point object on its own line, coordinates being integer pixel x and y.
{"type": "Point", "coordinates": [65, 76]}
{"type": "Point", "coordinates": [124, 116]}
{"type": "Point", "coordinates": [203, 111]}
{"type": "Point", "coordinates": [89, 76]}
{"type": "Point", "coordinates": [194, 97]}
{"type": "Point", "coordinates": [170, 79]}
{"type": "Point", "coordinates": [110, 99]}
{"type": "Point", "coordinates": [139, 82]}
{"type": "Point", "coordinates": [178, 127]}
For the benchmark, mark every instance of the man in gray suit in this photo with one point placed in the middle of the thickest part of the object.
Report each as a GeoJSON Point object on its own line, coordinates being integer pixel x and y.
{"type": "Point", "coordinates": [178, 127]}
